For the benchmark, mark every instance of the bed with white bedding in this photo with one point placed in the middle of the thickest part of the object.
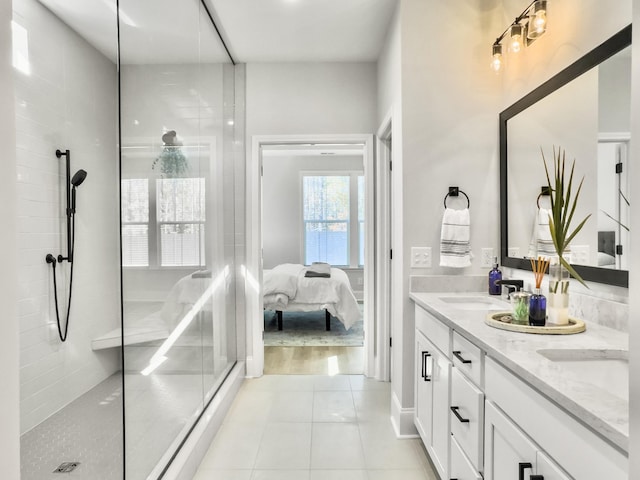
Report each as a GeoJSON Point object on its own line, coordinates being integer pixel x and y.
{"type": "Point", "coordinates": [286, 288]}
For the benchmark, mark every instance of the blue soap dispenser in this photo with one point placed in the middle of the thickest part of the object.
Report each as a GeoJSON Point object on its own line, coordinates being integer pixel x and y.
{"type": "Point", "coordinates": [494, 275]}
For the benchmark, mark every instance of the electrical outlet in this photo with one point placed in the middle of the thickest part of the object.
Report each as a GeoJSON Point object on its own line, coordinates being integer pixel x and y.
{"type": "Point", "coordinates": [514, 251]}
{"type": "Point", "coordinates": [486, 260]}
{"type": "Point", "coordinates": [420, 257]}
{"type": "Point", "coordinates": [580, 254]}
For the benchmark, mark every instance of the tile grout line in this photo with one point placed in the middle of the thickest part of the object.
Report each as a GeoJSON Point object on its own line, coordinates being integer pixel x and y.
{"type": "Point", "coordinates": [313, 427]}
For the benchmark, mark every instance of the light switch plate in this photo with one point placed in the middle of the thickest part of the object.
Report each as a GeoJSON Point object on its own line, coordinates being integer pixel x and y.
{"type": "Point", "coordinates": [420, 257]}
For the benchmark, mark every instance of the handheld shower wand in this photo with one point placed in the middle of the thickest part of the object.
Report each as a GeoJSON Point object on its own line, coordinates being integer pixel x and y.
{"type": "Point", "coordinates": [71, 184]}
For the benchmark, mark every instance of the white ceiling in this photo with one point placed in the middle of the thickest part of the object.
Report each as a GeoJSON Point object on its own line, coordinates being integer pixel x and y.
{"type": "Point", "coordinates": [304, 30]}
{"type": "Point", "coordinates": [179, 31]}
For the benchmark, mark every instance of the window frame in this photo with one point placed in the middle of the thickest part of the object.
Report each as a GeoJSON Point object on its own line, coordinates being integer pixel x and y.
{"type": "Point", "coordinates": [353, 233]}
{"type": "Point", "coordinates": [139, 154]}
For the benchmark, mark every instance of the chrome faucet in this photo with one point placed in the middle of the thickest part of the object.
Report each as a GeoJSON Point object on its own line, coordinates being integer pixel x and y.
{"type": "Point", "coordinates": [511, 286]}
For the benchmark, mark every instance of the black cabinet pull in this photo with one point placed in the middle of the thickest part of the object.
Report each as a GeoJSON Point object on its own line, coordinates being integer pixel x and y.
{"type": "Point", "coordinates": [457, 354]}
{"type": "Point", "coordinates": [459, 417]}
{"type": "Point", "coordinates": [536, 477]}
{"type": "Point", "coordinates": [425, 376]}
{"type": "Point", "coordinates": [522, 466]}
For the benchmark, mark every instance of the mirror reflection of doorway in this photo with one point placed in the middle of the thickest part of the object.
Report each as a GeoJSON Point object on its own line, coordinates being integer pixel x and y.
{"type": "Point", "coordinates": [613, 203]}
{"type": "Point", "coordinates": [313, 219]}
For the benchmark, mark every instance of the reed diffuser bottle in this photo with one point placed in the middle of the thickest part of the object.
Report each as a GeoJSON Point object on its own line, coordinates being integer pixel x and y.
{"type": "Point", "coordinates": [538, 302]}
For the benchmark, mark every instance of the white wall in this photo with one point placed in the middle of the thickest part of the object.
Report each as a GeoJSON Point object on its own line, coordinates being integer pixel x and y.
{"type": "Point", "coordinates": [9, 353]}
{"type": "Point", "coordinates": [67, 102]}
{"type": "Point", "coordinates": [389, 71]}
{"type": "Point", "coordinates": [310, 98]}
{"type": "Point", "coordinates": [282, 231]}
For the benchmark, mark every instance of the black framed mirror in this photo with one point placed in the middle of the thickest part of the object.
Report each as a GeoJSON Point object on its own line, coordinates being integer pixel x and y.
{"type": "Point", "coordinates": [583, 128]}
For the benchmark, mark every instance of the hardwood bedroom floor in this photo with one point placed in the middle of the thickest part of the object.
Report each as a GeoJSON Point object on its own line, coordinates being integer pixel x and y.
{"type": "Point", "coordinates": [324, 360]}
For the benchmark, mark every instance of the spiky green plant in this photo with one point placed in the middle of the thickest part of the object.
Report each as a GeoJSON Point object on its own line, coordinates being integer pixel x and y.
{"type": "Point", "coordinates": [563, 206]}
{"type": "Point", "coordinates": [172, 161]}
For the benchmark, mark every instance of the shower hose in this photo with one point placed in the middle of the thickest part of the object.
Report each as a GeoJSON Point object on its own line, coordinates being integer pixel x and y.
{"type": "Point", "coordinates": [63, 337]}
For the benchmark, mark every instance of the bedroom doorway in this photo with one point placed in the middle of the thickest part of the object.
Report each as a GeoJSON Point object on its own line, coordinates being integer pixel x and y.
{"type": "Point", "coordinates": [313, 200]}
{"type": "Point", "coordinates": [315, 197]}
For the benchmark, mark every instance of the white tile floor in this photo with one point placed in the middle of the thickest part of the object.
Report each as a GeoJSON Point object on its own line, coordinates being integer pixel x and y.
{"type": "Point", "coordinates": [300, 427]}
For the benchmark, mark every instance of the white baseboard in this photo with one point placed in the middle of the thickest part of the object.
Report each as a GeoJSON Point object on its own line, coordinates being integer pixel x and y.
{"type": "Point", "coordinates": [402, 419]}
{"type": "Point", "coordinates": [188, 459]}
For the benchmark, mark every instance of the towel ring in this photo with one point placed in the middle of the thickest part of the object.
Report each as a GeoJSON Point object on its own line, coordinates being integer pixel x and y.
{"type": "Point", "coordinates": [544, 191]}
{"type": "Point", "coordinates": [453, 192]}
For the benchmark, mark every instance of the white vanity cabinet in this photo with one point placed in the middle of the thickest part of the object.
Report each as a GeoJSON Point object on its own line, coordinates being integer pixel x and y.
{"type": "Point", "coordinates": [461, 468]}
{"type": "Point", "coordinates": [564, 444]}
{"type": "Point", "coordinates": [510, 454]}
{"type": "Point", "coordinates": [433, 377]}
{"type": "Point", "coordinates": [480, 420]}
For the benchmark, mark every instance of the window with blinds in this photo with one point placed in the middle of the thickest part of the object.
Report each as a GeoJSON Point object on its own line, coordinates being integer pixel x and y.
{"type": "Point", "coordinates": [181, 216]}
{"type": "Point", "coordinates": [327, 213]}
{"type": "Point", "coordinates": [135, 222]}
{"type": "Point", "coordinates": [170, 235]}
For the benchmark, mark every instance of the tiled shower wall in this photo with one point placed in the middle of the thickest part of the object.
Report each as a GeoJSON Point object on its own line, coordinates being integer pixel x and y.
{"type": "Point", "coordinates": [68, 101]}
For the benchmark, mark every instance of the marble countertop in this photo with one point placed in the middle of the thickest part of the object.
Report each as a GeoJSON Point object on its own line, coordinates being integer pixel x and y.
{"type": "Point", "coordinates": [601, 410]}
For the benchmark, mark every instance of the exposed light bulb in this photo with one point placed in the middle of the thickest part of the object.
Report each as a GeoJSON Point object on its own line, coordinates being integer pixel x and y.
{"type": "Point", "coordinates": [496, 63]}
{"type": "Point", "coordinates": [496, 60]}
{"type": "Point", "coordinates": [540, 21]}
{"type": "Point", "coordinates": [516, 38]}
{"type": "Point", "coordinates": [537, 19]}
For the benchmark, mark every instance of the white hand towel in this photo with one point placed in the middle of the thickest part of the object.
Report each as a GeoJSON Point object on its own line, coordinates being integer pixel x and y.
{"type": "Point", "coordinates": [541, 244]}
{"type": "Point", "coordinates": [455, 249]}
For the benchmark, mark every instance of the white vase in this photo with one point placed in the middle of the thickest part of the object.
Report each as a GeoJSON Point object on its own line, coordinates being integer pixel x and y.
{"type": "Point", "coordinates": [558, 298]}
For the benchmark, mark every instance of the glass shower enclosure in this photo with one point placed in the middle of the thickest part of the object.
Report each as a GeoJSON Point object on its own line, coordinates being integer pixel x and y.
{"type": "Point", "coordinates": [177, 122]}
{"type": "Point", "coordinates": [145, 98]}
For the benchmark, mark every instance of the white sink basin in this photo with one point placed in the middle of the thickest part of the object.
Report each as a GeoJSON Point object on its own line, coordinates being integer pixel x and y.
{"type": "Point", "coordinates": [607, 369]}
{"type": "Point", "coordinates": [475, 302]}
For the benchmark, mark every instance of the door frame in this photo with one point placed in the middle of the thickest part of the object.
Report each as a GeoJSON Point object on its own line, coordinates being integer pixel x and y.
{"type": "Point", "coordinates": [252, 271]}
{"type": "Point", "coordinates": [383, 248]}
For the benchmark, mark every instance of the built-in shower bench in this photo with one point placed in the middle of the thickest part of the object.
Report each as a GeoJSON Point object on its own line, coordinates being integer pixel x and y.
{"type": "Point", "coordinates": [149, 329]}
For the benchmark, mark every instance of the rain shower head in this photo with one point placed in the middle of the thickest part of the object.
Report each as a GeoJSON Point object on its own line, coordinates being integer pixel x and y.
{"type": "Point", "coordinates": [78, 178]}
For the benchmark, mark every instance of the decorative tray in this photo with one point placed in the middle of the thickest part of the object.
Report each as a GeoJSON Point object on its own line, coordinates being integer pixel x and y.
{"type": "Point", "coordinates": [575, 325]}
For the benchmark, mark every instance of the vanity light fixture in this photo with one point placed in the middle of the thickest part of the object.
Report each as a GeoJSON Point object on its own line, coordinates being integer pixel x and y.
{"type": "Point", "coordinates": [529, 25]}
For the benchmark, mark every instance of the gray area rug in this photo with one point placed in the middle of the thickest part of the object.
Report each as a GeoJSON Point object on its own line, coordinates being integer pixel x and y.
{"type": "Point", "coordinates": [307, 329]}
